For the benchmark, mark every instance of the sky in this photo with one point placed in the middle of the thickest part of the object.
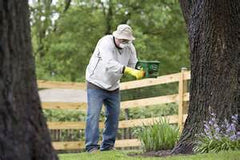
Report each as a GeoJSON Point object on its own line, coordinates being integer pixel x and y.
{"type": "Point", "coordinates": [33, 1]}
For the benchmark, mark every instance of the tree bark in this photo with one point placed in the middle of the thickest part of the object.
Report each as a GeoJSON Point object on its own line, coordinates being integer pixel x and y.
{"type": "Point", "coordinates": [214, 37]}
{"type": "Point", "coordinates": [23, 131]}
{"type": "Point", "coordinates": [186, 6]}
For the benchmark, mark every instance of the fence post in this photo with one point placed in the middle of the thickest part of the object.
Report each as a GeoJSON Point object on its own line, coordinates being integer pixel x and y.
{"type": "Point", "coordinates": [127, 131]}
{"type": "Point", "coordinates": [182, 89]}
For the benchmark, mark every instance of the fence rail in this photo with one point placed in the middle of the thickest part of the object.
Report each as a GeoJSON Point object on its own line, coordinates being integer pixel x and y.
{"type": "Point", "coordinates": [181, 98]}
{"type": "Point", "coordinates": [124, 105]}
{"type": "Point", "coordinates": [63, 85]}
{"type": "Point", "coordinates": [122, 124]}
{"type": "Point", "coordinates": [72, 145]}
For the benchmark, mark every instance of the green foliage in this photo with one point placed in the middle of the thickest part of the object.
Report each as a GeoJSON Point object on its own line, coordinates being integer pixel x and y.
{"type": "Point", "coordinates": [206, 145]}
{"type": "Point", "coordinates": [150, 91]}
{"type": "Point", "coordinates": [63, 41]}
{"type": "Point", "coordinates": [67, 135]}
{"type": "Point", "coordinates": [69, 46]}
{"type": "Point", "coordinates": [135, 113]}
{"type": "Point", "coordinates": [56, 115]}
{"type": "Point", "coordinates": [63, 115]}
{"type": "Point", "coordinates": [151, 111]}
{"type": "Point", "coordinates": [217, 138]}
{"type": "Point", "coordinates": [160, 136]}
{"type": "Point", "coordinates": [161, 34]}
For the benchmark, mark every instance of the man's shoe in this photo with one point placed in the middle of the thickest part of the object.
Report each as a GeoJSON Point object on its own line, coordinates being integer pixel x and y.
{"type": "Point", "coordinates": [93, 150]}
{"type": "Point", "coordinates": [108, 149]}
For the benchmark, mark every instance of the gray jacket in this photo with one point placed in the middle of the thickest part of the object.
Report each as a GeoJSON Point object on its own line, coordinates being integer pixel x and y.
{"type": "Point", "coordinates": [106, 64]}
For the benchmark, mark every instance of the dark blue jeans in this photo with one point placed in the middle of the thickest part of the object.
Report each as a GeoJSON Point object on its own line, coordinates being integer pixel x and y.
{"type": "Point", "coordinates": [111, 100]}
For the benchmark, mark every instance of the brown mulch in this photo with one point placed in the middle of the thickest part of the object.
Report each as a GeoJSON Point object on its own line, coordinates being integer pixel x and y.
{"type": "Point", "coordinates": [161, 153]}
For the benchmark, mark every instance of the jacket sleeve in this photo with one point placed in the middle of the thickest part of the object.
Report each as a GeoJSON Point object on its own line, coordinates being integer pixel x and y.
{"type": "Point", "coordinates": [133, 57]}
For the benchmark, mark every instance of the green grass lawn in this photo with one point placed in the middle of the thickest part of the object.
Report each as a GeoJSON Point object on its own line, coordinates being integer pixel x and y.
{"type": "Point", "coordinates": [122, 155]}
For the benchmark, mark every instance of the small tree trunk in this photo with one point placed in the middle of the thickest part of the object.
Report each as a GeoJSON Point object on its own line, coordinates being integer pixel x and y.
{"type": "Point", "coordinates": [23, 131]}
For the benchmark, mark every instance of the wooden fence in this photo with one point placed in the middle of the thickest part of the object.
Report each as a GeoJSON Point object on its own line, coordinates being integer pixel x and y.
{"type": "Point", "coordinates": [181, 98]}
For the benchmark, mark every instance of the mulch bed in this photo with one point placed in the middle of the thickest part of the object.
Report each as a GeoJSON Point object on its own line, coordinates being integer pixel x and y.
{"type": "Point", "coordinates": [161, 153]}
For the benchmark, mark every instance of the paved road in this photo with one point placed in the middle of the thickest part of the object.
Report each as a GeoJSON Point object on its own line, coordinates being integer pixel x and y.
{"type": "Point", "coordinates": [63, 95]}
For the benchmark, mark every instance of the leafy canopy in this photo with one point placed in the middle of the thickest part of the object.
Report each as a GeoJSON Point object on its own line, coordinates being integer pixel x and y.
{"type": "Point", "coordinates": [65, 37]}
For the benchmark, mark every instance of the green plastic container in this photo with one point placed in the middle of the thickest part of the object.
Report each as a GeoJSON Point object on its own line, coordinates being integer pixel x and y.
{"type": "Point", "coordinates": [150, 68]}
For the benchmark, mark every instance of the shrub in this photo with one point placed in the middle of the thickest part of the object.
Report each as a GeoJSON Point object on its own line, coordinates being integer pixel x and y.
{"type": "Point", "coordinates": [160, 136]}
{"type": "Point", "coordinates": [63, 115]}
{"type": "Point", "coordinates": [151, 111]}
{"type": "Point", "coordinates": [217, 138]}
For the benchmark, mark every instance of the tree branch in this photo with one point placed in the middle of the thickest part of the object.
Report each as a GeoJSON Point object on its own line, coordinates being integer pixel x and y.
{"type": "Point", "coordinates": [67, 5]}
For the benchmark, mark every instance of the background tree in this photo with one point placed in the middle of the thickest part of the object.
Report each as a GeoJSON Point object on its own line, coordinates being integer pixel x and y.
{"type": "Point", "coordinates": [214, 31]}
{"type": "Point", "coordinates": [23, 130]}
{"type": "Point", "coordinates": [71, 36]}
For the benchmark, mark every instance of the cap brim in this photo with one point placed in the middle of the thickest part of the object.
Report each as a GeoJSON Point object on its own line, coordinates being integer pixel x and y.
{"type": "Point", "coordinates": [130, 38]}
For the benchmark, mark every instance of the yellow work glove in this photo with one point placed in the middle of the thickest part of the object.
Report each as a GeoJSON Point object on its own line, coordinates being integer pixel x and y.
{"type": "Point", "coordinates": [138, 74]}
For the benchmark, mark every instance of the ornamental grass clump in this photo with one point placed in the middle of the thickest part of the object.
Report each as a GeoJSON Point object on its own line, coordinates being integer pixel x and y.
{"type": "Point", "coordinates": [218, 137]}
{"type": "Point", "coordinates": [160, 136]}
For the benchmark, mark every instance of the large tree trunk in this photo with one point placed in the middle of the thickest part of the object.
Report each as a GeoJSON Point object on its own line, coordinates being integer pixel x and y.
{"type": "Point", "coordinates": [23, 130]}
{"type": "Point", "coordinates": [214, 37]}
